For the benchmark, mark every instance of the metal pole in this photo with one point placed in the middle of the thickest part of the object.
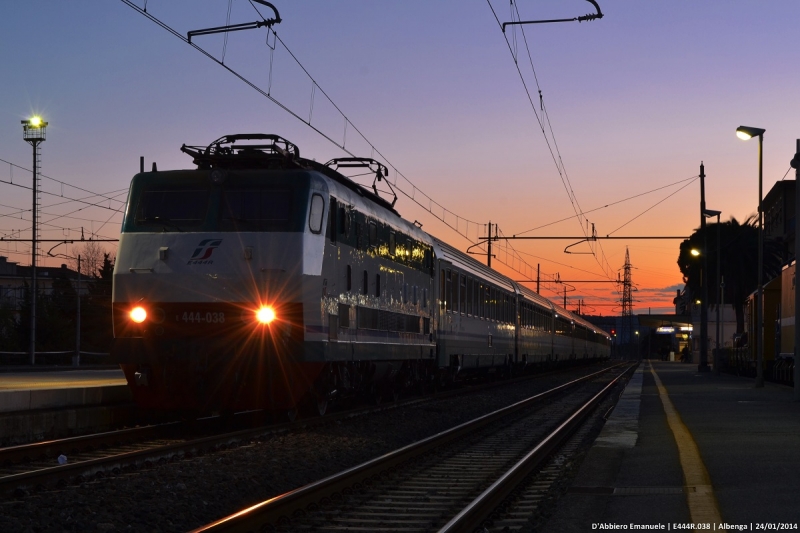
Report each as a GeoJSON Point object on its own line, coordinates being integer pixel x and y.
{"type": "Point", "coordinates": [796, 165]}
{"type": "Point", "coordinates": [489, 253]}
{"type": "Point", "coordinates": [719, 253]}
{"type": "Point", "coordinates": [78, 320]}
{"type": "Point", "coordinates": [703, 364]}
{"type": "Point", "coordinates": [760, 296]}
{"type": "Point", "coordinates": [722, 299]}
{"type": "Point", "coordinates": [34, 144]}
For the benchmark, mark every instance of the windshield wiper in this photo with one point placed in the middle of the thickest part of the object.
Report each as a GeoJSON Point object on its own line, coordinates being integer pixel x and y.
{"type": "Point", "coordinates": [163, 220]}
{"type": "Point", "coordinates": [241, 220]}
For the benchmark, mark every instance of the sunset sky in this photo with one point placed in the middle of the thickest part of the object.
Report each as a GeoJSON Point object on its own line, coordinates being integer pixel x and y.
{"type": "Point", "coordinates": [635, 102]}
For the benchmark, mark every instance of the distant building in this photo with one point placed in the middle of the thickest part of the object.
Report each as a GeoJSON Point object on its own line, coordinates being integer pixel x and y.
{"type": "Point", "coordinates": [14, 277]}
{"type": "Point", "coordinates": [779, 217]}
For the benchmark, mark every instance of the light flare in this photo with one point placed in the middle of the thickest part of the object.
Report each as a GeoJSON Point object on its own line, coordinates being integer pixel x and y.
{"type": "Point", "coordinates": [265, 314]}
{"type": "Point", "coordinates": [138, 314]}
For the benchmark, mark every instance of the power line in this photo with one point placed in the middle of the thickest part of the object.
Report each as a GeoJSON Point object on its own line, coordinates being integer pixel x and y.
{"type": "Point", "coordinates": [461, 225]}
{"type": "Point", "coordinates": [55, 180]}
{"type": "Point", "coordinates": [557, 160]}
{"type": "Point", "coordinates": [608, 205]}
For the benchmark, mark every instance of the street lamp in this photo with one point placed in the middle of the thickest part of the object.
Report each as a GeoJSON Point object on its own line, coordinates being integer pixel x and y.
{"type": "Point", "coordinates": [703, 363]}
{"type": "Point", "coordinates": [745, 133]}
{"type": "Point", "coordinates": [708, 213]}
{"type": "Point", "coordinates": [33, 131]}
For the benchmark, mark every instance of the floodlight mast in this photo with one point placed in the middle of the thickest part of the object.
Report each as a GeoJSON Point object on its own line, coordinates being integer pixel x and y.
{"type": "Point", "coordinates": [33, 131]}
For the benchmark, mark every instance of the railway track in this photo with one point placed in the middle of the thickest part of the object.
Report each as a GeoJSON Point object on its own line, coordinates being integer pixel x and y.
{"type": "Point", "coordinates": [36, 466]}
{"type": "Point", "coordinates": [448, 482]}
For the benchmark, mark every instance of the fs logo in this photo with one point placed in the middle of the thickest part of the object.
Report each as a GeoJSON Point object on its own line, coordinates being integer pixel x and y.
{"type": "Point", "coordinates": [204, 250]}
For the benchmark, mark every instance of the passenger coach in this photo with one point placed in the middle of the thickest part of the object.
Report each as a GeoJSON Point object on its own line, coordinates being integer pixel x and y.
{"type": "Point", "coordinates": [262, 279]}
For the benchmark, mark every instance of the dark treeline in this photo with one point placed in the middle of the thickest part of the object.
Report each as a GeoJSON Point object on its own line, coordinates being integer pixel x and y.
{"type": "Point", "coordinates": [56, 315]}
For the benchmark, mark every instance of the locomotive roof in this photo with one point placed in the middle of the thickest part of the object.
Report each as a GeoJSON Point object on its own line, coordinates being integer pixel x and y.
{"type": "Point", "coordinates": [272, 152]}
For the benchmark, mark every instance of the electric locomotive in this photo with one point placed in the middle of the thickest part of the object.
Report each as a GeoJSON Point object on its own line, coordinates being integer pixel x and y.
{"type": "Point", "coordinates": [261, 279]}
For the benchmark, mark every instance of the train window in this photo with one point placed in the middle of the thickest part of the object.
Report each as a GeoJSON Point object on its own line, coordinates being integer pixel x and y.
{"type": "Point", "coordinates": [462, 300]}
{"type": "Point", "coordinates": [332, 231]}
{"type": "Point", "coordinates": [377, 285]}
{"type": "Point", "coordinates": [315, 213]}
{"type": "Point", "coordinates": [173, 209]}
{"type": "Point", "coordinates": [349, 278]}
{"type": "Point", "coordinates": [344, 315]}
{"type": "Point", "coordinates": [442, 289]}
{"type": "Point", "coordinates": [365, 288]}
{"type": "Point", "coordinates": [373, 234]}
{"type": "Point", "coordinates": [344, 222]}
{"type": "Point", "coordinates": [449, 291]}
{"type": "Point", "coordinates": [469, 295]}
{"type": "Point", "coordinates": [392, 243]}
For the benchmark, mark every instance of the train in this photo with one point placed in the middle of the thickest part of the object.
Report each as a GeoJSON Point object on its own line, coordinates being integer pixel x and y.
{"type": "Point", "coordinates": [264, 280]}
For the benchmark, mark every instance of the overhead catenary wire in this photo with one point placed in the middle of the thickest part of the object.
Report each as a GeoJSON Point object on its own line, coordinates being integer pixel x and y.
{"type": "Point", "coordinates": [14, 165]}
{"type": "Point", "coordinates": [652, 206]}
{"type": "Point", "coordinates": [608, 205]}
{"type": "Point", "coordinates": [552, 147]}
{"type": "Point", "coordinates": [456, 222]}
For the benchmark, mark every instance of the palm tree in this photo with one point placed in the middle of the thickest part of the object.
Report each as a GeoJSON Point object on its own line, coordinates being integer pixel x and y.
{"type": "Point", "coordinates": [738, 262]}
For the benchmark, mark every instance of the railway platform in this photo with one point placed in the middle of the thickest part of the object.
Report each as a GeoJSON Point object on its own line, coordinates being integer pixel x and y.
{"type": "Point", "coordinates": [37, 404]}
{"type": "Point", "coordinates": [23, 390]}
{"type": "Point", "coordinates": [688, 450]}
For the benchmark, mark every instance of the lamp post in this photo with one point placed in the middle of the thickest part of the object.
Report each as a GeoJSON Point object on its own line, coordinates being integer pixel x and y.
{"type": "Point", "coordinates": [703, 364]}
{"type": "Point", "coordinates": [796, 165]}
{"type": "Point", "coordinates": [33, 131]}
{"type": "Point", "coordinates": [745, 133]}
{"type": "Point", "coordinates": [715, 357]}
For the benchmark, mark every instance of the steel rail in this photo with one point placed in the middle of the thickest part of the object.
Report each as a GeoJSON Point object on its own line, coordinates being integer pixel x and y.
{"type": "Point", "coordinates": [284, 505]}
{"type": "Point", "coordinates": [89, 467]}
{"type": "Point", "coordinates": [476, 512]}
{"type": "Point", "coordinates": [52, 448]}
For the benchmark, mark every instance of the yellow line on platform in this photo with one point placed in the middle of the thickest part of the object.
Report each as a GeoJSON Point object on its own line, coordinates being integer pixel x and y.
{"type": "Point", "coordinates": [700, 494]}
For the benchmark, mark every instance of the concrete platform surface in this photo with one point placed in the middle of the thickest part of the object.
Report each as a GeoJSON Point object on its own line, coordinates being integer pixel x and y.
{"type": "Point", "coordinates": [25, 391]}
{"type": "Point", "coordinates": [688, 450]}
{"type": "Point", "coordinates": [57, 379]}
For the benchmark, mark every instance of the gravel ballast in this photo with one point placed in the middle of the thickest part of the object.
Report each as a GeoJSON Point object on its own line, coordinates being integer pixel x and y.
{"type": "Point", "coordinates": [191, 492]}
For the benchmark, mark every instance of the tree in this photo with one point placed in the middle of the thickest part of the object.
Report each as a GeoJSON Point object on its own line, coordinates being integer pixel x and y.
{"type": "Point", "coordinates": [738, 262]}
{"type": "Point", "coordinates": [9, 337]}
{"type": "Point", "coordinates": [57, 315]}
{"type": "Point", "coordinates": [91, 259]}
{"type": "Point", "coordinates": [97, 328]}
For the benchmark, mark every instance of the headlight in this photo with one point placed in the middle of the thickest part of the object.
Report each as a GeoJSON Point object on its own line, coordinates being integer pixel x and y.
{"type": "Point", "coordinates": [265, 314]}
{"type": "Point", "coordinates": [138, 314]}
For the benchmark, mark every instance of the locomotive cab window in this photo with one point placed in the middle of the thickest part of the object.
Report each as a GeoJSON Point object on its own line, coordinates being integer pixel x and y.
{"type": "Point", "coordinates": [315, 213]}
{"type": "Point", "coordinates": [172, 209]}
{"type": "Point", "coordinates": [250, 209]}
